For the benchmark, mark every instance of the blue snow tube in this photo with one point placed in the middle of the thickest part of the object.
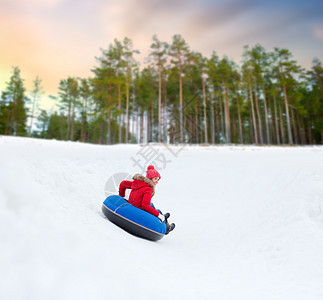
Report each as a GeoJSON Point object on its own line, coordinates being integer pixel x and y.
{"type": "Point", "coordinates": [132, 219]}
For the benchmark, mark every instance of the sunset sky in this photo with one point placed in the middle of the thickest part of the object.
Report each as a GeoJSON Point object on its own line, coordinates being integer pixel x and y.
{"type": "Point", "coordinates": [54, 39]}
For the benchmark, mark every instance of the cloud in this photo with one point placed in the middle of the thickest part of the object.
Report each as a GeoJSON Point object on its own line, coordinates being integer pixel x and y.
{"type": "Point", "coordinates": [218, 23]}
{"type": "Point", "coordinates": [170, 16]}
{"type": "Point", "coordinates": [194, 20]}
{"type": "Point", "coordinates": [132, 18]}
{"type": "Point", "coordinates": [216, 16]}
{"type": "Point", "coordinates": [42, 3]}
{"type": "Point", "coordinates": [318, 31]}
{"type": "Point", "coordinates": [52, 51]}
{"type": "Point", "coordinates": [59, 38]}
{"type": "Point", "coordinates": [280, 22]}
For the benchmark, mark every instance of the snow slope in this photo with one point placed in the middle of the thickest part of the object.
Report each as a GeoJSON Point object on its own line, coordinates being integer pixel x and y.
{"type": "Point", "coordinates": [249, 223]}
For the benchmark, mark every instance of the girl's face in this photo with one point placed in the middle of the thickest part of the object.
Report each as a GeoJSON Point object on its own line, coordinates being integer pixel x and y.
{"type": "Point", "coordinates": [155, 180]}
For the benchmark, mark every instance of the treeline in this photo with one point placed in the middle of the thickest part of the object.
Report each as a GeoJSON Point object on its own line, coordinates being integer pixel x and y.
{"type": "Point", "coordinates": [180, 96]}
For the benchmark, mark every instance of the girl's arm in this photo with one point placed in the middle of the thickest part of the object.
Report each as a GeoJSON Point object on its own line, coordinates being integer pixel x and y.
{"type": "Point", "coordinates": [123, 186]}
{"type": "Point", "coordinates": [145, 204]}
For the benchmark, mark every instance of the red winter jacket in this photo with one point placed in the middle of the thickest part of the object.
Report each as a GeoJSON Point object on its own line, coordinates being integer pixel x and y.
{"type": "Point", "coordinates": [142, 190]}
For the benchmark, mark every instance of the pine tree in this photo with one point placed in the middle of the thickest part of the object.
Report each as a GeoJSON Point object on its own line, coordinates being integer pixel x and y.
{"type": "Point", "coordinates": [285, 68]}
{"type": "Point", "coordinates": [130, 63]}
{"type": "Point", "coordinates": [179, 50]}
{"type": "Point", "coordinates": [43, 122]}
{"type": "Point", "coordinates": [13, 113]}
{"type": "Point", "coordinates": [200, 68]}
{"type": "Point", "coordinates": [267, 100]}
{"type": "Point", "coordinates": [85, 95]}
{"type": "Point", "coordinates": [56, 128]}
{"type": "Point", "coordinates": [260, 61]}
{"type": "Point", "coordinates": [35, 97]}
{"type": "Point", "coordinates": [248, 77]}
{"type": "Point", "coordinates": [68, 93]}
{"type": "Point", "coordinates": [213, 75]}
{"type": "Point", "coordinates": [315, 105]}
{"type": "Point", "coordinates": [225, 72]}
{"type": "Point", "coordinates": [104, 97]}
{"type": "Point", "coordinates": [159, 56]}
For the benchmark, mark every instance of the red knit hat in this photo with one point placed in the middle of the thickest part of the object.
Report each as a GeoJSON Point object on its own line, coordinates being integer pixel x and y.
{"type": "Point", "coordinates": [152, 173]}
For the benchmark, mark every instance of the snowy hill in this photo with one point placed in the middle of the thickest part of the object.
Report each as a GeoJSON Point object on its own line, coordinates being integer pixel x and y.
{"type": "Point", "coordinates": [249, 223]}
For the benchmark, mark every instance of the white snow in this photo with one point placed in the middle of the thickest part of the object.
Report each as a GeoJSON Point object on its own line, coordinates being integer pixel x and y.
{"type": "Point", "coordinates": [249, 223]}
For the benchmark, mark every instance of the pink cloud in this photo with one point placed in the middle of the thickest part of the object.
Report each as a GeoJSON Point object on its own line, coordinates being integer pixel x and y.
{"type": "Point", "coordinates": [318, 31]}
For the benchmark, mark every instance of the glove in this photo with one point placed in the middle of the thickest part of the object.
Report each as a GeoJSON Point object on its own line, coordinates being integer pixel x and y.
{"type": "Point", "coordinates": [161, 217]}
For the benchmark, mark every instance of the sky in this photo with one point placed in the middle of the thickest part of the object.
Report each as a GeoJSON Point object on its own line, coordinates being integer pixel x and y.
{"type": "Point", "coordinates": [55, 39]}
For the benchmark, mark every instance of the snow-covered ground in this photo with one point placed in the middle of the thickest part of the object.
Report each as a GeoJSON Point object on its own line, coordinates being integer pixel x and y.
{"type": "Point", "coordinates": [249, 223]}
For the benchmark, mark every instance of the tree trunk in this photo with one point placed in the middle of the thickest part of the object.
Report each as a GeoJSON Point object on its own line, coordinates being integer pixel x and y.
{"type": "Point", "coordinates": [217, 119]}
{"type": "Point", "coordinates": [133, 112]}
{"type": "Point", "coordinates": [253, 113]}
{"type": "Point", "coordinates": [309, 132]}
{"type": "Point", "coordinates": [138, 127]}
{"type": "Point", "coordinates": [204, 111]}
{"type": "Point", "coordinates": [61, 125]}
{"type": "Point", "coordinates": [85, 120]}
{"type": "Point", "coordinates": [234, 137]}
{"type": "Point", "coordinates": [151, 125]}
{"type": "Point", "coordinates": [82, 121]}
{"type": "Point", "coordinates": [196, 123]}
{"type": "Point", "coordinates": [181, 106]}
{"type": "Point", "coordinates": [239, 119]}
{"type": "Point", "coordinates": [73, 118]}
{"type": "Point", "coordinates": [109, 127]}
{"type": "Point", "coordinates": [301, 130]}
{"type": "Point", "coordinates": [68, 120]}
{"type": "Point", "coordinates": [282, 129]}
{"type": "Point", "coordinates": [227, 116]}
{"type": "Point", "coordinates": [127, 106]}
{"type": "Point", "coordinates": [221, 115]}
{"type": "Point", "coordinates": [141, 125]}
{"type": "Point", "coordinates": [266, 116]}
{"type": "Point", "coordinates": [290, 137]}
{"type": "Point", "coordinates": [119, 116]}
{"type": "Point", "coordinates": [212, 122]}
{"type": "Point", "coordinates": [270, 120]}
{"type": "Point", "coordinates": [6, 132]}
{"type": "Point", "coordinates": [32, 116]}
{"type": "Point", "coordinates": [159, 104]}
{"type": "Point", "coordinates": [13, 122]}
{"type": "Point", "coordinates": [294, 126]}
{"type": "Point", "coordinates": [148, 125]}
{"type": "Point", "coordinates": [165, 117]}
{"type": "Point", "coordinates": [276, 122]}
{"type": "Point", "coordinates": [259, 117]}
{"type": "Point", "coordinates": [101, 132]}
{"type": "Point", "coordinates": [251, 127]}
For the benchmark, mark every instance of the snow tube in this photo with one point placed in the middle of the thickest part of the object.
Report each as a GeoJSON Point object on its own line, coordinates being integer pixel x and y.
{"type": "Point", "coordinates": [132, 219]}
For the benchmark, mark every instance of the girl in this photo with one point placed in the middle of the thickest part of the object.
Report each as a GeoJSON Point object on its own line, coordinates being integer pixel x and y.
{"type": "Point", "coordinates": [142, 190]}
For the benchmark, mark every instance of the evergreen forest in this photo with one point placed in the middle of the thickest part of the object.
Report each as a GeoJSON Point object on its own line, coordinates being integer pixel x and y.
{"type": "Point", "coordinates": [179, 96]}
